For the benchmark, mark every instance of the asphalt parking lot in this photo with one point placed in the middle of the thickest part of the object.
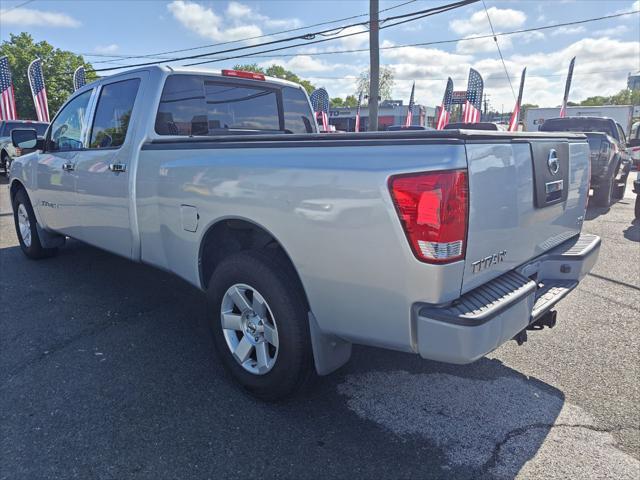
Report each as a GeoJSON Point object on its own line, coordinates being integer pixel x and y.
{"type": "Point", "coordinates": [107, 372]}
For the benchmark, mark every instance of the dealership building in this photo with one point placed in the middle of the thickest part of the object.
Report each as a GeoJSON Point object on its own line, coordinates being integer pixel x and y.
{"type": "Point", "coordinates": [390, 112]}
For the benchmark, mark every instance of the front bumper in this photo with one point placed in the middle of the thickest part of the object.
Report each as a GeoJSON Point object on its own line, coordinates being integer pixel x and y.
{"type": "Point", "coordinates": [486, 317]}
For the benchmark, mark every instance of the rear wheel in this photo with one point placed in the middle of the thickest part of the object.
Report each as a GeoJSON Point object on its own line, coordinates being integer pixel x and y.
{"type": "Point", "coordinates": [620, 186]}
{"type": "Point", "coordinates": [260, 324]}
{"type": "Point", "coordinates": [637, 208]}
{"type": "Point", "coordinates": [25, 222]}
{"type": "Point", "coordinates": [602, 194]}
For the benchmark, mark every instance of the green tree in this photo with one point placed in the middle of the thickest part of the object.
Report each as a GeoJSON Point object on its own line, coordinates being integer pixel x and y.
{"type": "Point", "coordinates": [277, 71]}
{"type": "Point", "coordinates": [337, 102]}
{"type": "Point", "coordinates": [57, 65]}
{"type": "Point", "coordinates": [351, 101]}
{"type": "Point", "coordinates": [623, 97]}
{"type": "Point", "coordinates": [386, 83]}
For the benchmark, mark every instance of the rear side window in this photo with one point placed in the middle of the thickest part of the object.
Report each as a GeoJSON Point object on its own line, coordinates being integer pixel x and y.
{"type": "Point", "coordinates": [297, 112]}
{"type": "Point", "coordinates": [113, 114]}
{"type": "Point", "coordinates": [194, 105]}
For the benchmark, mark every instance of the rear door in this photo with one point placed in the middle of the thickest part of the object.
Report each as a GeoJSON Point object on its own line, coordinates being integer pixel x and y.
{"type": "Point", "coordinates": [526, 197]}
{"type": "Point", "coordinates": [104, 169]}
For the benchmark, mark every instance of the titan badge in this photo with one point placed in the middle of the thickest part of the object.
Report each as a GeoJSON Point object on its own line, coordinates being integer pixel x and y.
{"type": "Point", "coordinates": [489, 261]}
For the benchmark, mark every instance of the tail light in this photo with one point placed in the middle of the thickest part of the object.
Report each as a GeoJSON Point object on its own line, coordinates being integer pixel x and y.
{"type": "Point", "coordinates": [243, 74]}
{"type": "Point", "coordinates": [604, 150]}
{"type": "Point", "coordinates": [433, 209]}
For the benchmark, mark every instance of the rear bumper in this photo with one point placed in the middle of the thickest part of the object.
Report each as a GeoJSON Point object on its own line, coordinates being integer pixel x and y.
{"type": "Point", "coordinates": [486, 317]}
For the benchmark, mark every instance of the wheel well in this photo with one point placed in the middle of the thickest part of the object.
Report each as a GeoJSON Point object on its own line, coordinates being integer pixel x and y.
{"type": "Point", "coordinates": [232, 236]}
{"type": "Point", "coordinates": [15, 187]}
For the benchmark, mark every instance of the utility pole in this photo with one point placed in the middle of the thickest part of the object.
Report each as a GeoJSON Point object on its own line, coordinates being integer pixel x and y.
{"type": "Point", "coordinates": [374, 67]}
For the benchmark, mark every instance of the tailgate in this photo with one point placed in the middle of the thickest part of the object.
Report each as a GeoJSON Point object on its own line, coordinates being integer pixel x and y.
{"type": "Point", "coordinates": [525, 197]}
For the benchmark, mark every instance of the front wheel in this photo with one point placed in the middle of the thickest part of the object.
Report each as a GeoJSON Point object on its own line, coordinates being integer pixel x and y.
{"type": "Point", "coordinates": [260, 324]}
{"type": "Point", "coordinates": [25, 222]}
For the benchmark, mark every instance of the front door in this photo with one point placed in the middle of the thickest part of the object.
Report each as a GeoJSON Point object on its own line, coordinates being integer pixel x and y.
{"type": "Point", "coordinates": [55, 197]}
{"type": "Point", "coordinates": [103, 169]}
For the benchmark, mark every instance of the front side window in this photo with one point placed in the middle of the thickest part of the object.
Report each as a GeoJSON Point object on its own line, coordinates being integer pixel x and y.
{"type": "Point", "coordinates": [67, 128]}
{"type": "Point", "coordinates": [297, 112]}
{"type": "Point", "coordinates": [194, 105]}
{"type": "Point", "coordinates": [113, 114]}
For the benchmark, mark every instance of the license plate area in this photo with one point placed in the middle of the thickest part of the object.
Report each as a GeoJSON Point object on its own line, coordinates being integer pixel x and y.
{"type": "Point", "coordinates": [550, 172]}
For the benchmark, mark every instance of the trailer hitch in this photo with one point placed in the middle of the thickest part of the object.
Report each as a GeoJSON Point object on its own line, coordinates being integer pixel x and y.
{"type": "Point", "coordinates": [546, 320]}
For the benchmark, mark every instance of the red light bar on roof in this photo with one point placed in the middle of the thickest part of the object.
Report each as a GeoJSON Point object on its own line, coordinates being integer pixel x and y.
{"type": "Point", "coordinates": [241, 74]}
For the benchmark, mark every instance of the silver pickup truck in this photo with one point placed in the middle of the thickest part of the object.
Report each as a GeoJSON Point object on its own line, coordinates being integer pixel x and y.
{"type": "Point", "coordinates": [440, 243]}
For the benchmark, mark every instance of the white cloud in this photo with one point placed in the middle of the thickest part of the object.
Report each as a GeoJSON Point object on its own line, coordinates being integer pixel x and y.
{"type": "Point", "coordinates": [238, 21]}
{"type": "Point", "coordinates": [28, 17]}
{"type": "Point", "coordinates": [304, 63]}
{"type": "Point", "coordinates": [634, 7]}
{"type": "Point", "coordinates": [568, 31]}
{"type": "Point", "coordinates": [359, 40]}
{"type": "Point", "coordinates": [478, 23]}
{"type": "Point", "coordinates": [612, 32]}
{"type": "Point", "coordinates": [107, 49]}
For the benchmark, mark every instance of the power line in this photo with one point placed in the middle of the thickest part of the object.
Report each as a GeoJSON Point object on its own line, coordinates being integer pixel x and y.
{"type": "Point", "coordinates": [4, 12]}
{"type": "Point", "coordinates": [498, 47]}
{"type": "Point", "coordinates": [420, 44]}
{"type": "Point", "coordinates": [328, 22]}
{"type": "Point", "coordinates": [430, 79]}
{"type": "Point", "coordinates": [425, 12]}
{"type": "Point", "coordinates": [431, 11]}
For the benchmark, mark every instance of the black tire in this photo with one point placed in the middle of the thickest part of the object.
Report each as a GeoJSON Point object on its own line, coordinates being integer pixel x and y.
{"type": "Point", "coordinates": [602, 194]}
{"type": "Point", "coordinates": [279, 286]}
{"type": "Point", "coordinates": [637, 207]}
{"type": "Point", "coordinates": [620, 188]}
{"type": "Point", "coordinates": [34, 250]}
{"type": "Point", "coordinates": [5, 162]}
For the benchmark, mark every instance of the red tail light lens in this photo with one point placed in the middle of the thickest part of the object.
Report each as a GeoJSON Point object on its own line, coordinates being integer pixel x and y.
{"type": "Point", "coordinates": [433, 210]}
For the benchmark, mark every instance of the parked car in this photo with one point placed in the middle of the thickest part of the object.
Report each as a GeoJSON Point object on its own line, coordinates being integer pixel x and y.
{"type": "Point", "coordinates": [634, 145]}
{"type": "Point", "coordinates": [610, 161]}
{"type": "Point", "coordinates": [441, 243]}
{"type": "Point", "coordinates": [7, 151]}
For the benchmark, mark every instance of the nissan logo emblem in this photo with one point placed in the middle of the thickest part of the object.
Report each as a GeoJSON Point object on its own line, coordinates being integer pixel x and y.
{"type": "Point", "coordinates": [552, 162]}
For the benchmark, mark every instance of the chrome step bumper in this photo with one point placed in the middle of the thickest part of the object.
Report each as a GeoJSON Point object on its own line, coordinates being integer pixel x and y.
{"type": "Point", "coordinates": [484, 318]}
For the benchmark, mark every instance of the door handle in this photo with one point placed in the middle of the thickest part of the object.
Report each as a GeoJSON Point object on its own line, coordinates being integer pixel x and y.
{"type": "Point", "coordinates": [117, 167]}
{"type": "Point", "coordinates": [68, 167]}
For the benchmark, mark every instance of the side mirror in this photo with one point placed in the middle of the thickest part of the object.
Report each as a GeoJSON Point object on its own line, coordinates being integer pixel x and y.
{"type": "Point", "coordinates": [26, 139]}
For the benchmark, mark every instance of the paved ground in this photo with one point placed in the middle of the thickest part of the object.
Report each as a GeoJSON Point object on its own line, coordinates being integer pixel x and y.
{"type": "Point", "coordinates": [107, 372]}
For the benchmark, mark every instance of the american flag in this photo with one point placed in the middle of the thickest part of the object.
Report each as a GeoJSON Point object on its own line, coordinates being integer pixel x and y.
{"type": "Point", "coordinates": [320, 103]}
{"type": "Point", "coordinates": [79, 78]}
{"type": "Point", "coordinates": [515, 116]}
{"type": "Point", "coordinates": [567, 87]}
{"type": "Point", "coordinates": [357, 129]}
{"type": "Point", "coordinates": [473, 105]}
{"type": "Point", "coordinates": [444, 116]}
{"type": "Point", "coordinates": [38, 90]}
{"type": "Point", "coordinates": [410, 109]}
{"type": "Point", "coordinates": [7, 96]}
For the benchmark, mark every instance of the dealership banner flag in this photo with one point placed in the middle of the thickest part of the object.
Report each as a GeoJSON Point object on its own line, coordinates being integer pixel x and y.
{"type": "Point", "coordinates": [7, 95]}
{"type": "Point", "coordinates": [515, 116]}
{"type": "Point", "coordinates": [38, 90]}
{"type": "Point", "coordinates": [567, 87]}
{"type": "Point", "coordinates": [445, 115]}
{"type": "Point", "coordinates": [79, 78]}
{"type": "Point", "coordinates": [473, 104]}
{"type": "Point", "coordinates": [357, 129]}
{"type": "Point", "coordinates": [410, 109]}
{"type": "Point", "coordinates": [320, 103]}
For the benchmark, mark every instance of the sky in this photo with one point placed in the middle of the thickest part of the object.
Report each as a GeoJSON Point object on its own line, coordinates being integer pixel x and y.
{"type": "Point", "coordinates": [606, 51]}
